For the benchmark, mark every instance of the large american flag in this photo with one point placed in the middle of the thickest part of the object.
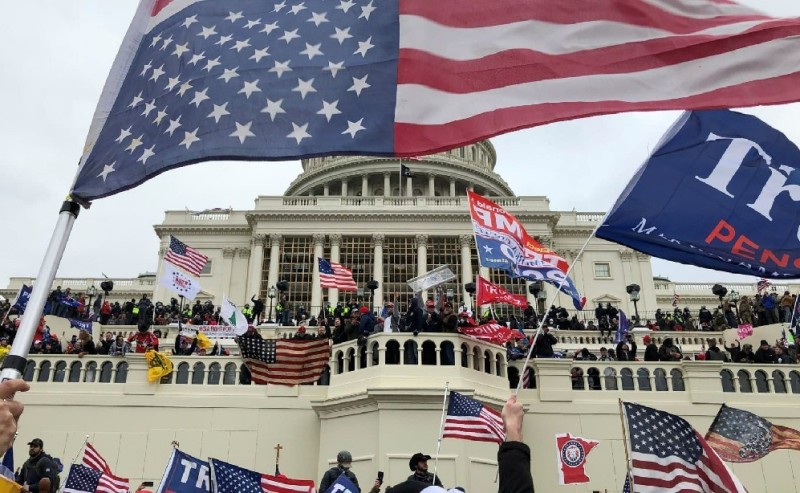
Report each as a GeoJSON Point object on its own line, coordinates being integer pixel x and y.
{"type": "Point", "coordinates": [107, 482]}
{"type": "Point", "coordinates": [468, 419]}
{"type": "Point", "coordinates": [763, 284]}
{"type": "Point", "coordinates": [669, 455]}
{"type": "Point", "coordinates": [284, 361]}
{"type": "Point", "coordinates": [333, 275]}
{"type": "Point", "coordinates": [198, 80]}
{"type": "Point", "coordinates": [227, 478]}
{"type": "Point", "coordinates": [675, 298]}
{"type": "Point", "coordinates": [185, 256]}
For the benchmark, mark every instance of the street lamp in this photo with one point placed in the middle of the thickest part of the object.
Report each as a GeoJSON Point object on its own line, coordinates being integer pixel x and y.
{"type": "Point", "coordinates": [633, 290]}
{"type": "Point", "coordinates": [92, 292]}
{"type": "Point", "coordinates": [733, 297]}
{"type": "Point", "coordinates": [271, 296]}
{"type": "Point", "coordinates": [720, 291]}
{"type": "Point", "coordinates": [372, 285]}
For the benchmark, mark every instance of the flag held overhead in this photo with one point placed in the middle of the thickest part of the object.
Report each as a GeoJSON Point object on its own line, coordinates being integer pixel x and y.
{"type": "Point", "coordinates": [732, 203]}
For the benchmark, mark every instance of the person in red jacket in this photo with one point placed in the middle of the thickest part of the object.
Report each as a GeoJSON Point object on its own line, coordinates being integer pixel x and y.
{"type": "Point", "coordinates": [143, 340]}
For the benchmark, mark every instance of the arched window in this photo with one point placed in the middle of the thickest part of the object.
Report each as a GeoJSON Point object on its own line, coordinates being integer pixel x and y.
{"type": "Point", "coordinates": [351, 359]}
{"type": "Point", "coordinates": [230, 374]}
{"type": "Point", "coordinates": [428, 353]}
{"type": "Point", "coordinates": [122, 372]}
{"type": "Point", "coordinates": [75, 372]}
{"type": "Point", "coordinates": [744, 382]}
{"type": "Point", "coordinates": [727, 381]}
{"type": "Point", "coordinates": [392, 352]}
{"type": "Point", "coordinates": [593, 375]}
{"type": "Point", "coordinates": [677, 380]}
{"type": "Point", "coordinates": [105, 372]}
{"type": "Point", "coordinates": [339, 362]}
{"type": "Point", "coordinates": [182, 377]}
{"type": "Point", "coordinates": [626, 375]}
{"type": "Point", "coordinates": [375, 354]}
{"type": "Point", "coordinates": [779, 382]}
{"type": "Point", "coordinates": [499, 365]}
{"type": "Point", "coordinates": [214, 373]}
{"type": "Point", "coordinates": [513, 377]}
{"type": "Point", "coordinates": [447, 354]}
{"type": "Point", "coordinates": [464, 356]}
{"type": "Point", "coordinates": [91, 372]}
{"type": "Point", "coordinates": [643, 376]}
{"type": "Point", "coordinates": [30, 368]}
{"type": "Point", "coordinates": [44, 371]}
{"type": "Point", "coordinates": [794, 380]}
{"type": "Point", "coordinates": [198, 374]}
{"type": "Point", "coordinates": [487, 362]}
{"type": "Point", "coordinates": [61, 371]}
{"type": "Point", "coordinates": [610, 377]}
{"type": "Point", "coordinates": [661, 380]}
{"type": "Point", "coordinates": [761, 381]}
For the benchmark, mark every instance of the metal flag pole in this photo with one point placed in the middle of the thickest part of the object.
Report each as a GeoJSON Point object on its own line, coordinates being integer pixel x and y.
{"type": "Point", "coordinates": [400, 181]}
{"type": "Point", "coordinates": [16, 360]}
{"type": "Point", "coordinates": [626, 443]}
{"type": "Point", "coordinates": [441, 430]}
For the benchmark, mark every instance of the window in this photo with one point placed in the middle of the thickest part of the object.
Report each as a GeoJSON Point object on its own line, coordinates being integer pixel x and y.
{"type": "Point", "coordinates": [602, 270]}
{"type": "Point", "coordinates": [207, 268]}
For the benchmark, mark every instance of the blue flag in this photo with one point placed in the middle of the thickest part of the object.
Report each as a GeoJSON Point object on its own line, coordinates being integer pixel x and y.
{"type": "Point", "coordinates": [7, 466]}
{"type": "Point", "coordinates": [185, 474]}
{"type": "Point", "coordinates": [23, 296]}
{"type": "Point", "coordinates": [719, 192]}
{"type": "Point", "coordinates": [81, 325]}
{"type": "Point", "coordinates": [623, 329]}
{"type": "Point", "coordinates": [342, 485]}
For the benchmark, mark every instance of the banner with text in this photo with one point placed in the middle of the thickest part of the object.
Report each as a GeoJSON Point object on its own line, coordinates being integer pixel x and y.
{"type": "Point", "coordinates": [487, 292]}
{"type": "Point", "coordinates": [721, 191]}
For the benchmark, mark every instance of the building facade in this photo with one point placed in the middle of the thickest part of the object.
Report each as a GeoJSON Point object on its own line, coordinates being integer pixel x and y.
{"type": "Point", "coordinates": [360, 212]}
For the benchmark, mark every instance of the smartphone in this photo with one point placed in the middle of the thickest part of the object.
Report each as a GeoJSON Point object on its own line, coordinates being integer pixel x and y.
{"type": "Point", "coordinates": [380, 477]}
{"type": "Point", "coordinates": [147, 484]}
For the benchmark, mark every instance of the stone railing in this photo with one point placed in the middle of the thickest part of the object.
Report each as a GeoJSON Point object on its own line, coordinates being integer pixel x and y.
{"type": "Point", "coordinates": [529, 204]}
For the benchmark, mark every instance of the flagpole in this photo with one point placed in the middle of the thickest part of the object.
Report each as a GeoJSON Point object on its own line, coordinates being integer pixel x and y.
{"type": "Point", "coordinates": [400, 181]}
{"type": "Point", "coordinates": [75, 460]}
{"type": "Point", "coordinates": [553, 299]}
{"type": "Point", "coordinates": [15, 362]}
{"type": "Point", "coordinates": [441, 430]}
{"type": "Point", "coordinates": [626, 443]}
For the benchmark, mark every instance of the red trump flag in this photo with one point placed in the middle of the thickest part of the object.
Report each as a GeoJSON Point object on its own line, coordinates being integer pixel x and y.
{"type": "Point", "coordinates": [487, 292]}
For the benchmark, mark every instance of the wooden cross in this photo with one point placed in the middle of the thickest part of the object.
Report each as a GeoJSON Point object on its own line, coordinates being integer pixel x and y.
{"type": "Point", "coordinates": [278, 449]}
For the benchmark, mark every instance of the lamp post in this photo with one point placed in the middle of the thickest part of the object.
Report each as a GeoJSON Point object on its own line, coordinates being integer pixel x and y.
{"type": "Point", "coordinates": [271, 296]}
{"type": "Point", "coordinates": [633, 290]}
{"type": "Point", "coordinates": [92, 292]}
{"type": "Point", "coordinates": [733, 297]}
{"type": "Point", "coordinates": [372, 285]}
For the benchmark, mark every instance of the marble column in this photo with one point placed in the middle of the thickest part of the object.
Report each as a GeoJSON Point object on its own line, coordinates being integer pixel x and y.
{"type": "Point", "coordinates": [452, 187]}
{"type": "Point", "coordinates": [316, 289]}
{"type": "Point", "coordinates": [422, 258]}
{"type": "Point", "coordinates": [255, 265]}
{"type": "Point", "coordinates": [409, 187]}
{"type": "Point", "coordinates": [431, 185]}
{"type": "Point", "coordinates": [227, 259]}
{"type": "Point", "coordinates": [387, 184]}
{"type": "Point", "coordinates": [484, 273]}
{"type": "Point", "coordinates": [274, 259]}
{"type": "Point", "coordinates": [344, 187]}
{"type": "Point", "coordinates": [336, 242]}
{"type": "Point", "coordinates": [377, 270]}
{"type": "Point", "coordinates": [466, 267]}
{"type": "Point", "coordinates": [239, 286]}
{"type": "Point", "coordinates": [326, 190]}
{"type": "Point", "coordinates": [364, 185]}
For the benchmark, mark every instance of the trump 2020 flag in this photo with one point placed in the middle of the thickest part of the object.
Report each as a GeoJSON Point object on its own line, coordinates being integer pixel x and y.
{"type": "Point", "coordinates": [179, 283]}
{"type": "Point", "coordinates": [342, 485]}
{"type": "Point", "coordinates": [185, 474]}
{"type": "Point", "coordinates": [23, 296]}
{"type": "Point", "coordinates": [197, 80]}
{"type": "Point", "coordinates": [721, 191]}
{"type": "Point", "coordinates": [623, 328]}
{"type": "Point", "coordinates": [572, 452]}
{"type": "Point", "coordinates": [503, 243]}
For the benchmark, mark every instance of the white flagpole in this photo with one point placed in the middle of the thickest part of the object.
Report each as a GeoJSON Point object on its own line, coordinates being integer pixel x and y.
{"type": "Point", "coordinates": [400, 190]}
{"type": "Point", "coordinates": [80, 450]}
{"type": "Point", "coordinates": [15, 362]}
{"type": "Point", "coordinates": [441, 430]}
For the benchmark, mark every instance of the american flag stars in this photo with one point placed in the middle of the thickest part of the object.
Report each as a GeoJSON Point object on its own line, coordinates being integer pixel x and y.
{"type": "Point", "coordinates": [249, 76]}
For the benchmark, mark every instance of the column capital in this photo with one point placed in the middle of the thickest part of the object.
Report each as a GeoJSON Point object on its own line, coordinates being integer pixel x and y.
{"type": "Point", "coordinates": [319, 239]}
{"type": "Point", "coordinates": [546, 240]}
{"type": "Point", "coordinates": [465, 241]}
{"type": "Point", "coordinates": [642, 256]}
{"type": "Point", "coordinates": [228, 252]}
{"type": "Point", "coordinates": [162, 251]}
{"type": "Point", "coordinates": [244, 253]}
{"type": "Point", "coordinates": [377, 239]}
{"type": "Point", "coordinates": [387, 173]}
{"type": "Point", "coordinates": [336, 239]}
{"type": "Point", "coordinates": [626, 255]}
{"type": "Point", "coordinates": [422, 240]}
{"type": "Point", "coordinates": [258, 240]}
{"type": "Point", "coordinates": [275, 239]}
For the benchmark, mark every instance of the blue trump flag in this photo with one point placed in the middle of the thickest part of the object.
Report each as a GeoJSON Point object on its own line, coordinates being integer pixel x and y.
{"type": "Point", "coordinates": [81, 325]}
{"type": "Point", "coordinates": [342, 485]}
{"type": "Point", "coordinates": [185, 474]}
{"type": "Point", "coordinates": [720, 191]}
{"type": "Point", "coordinates": [22, 298]}
{"type": "Point", "coordinates": [623, 329]}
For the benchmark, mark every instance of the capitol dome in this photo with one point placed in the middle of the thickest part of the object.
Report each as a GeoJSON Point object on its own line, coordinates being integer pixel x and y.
{"type": "Point", "coordinates": [446, 174]}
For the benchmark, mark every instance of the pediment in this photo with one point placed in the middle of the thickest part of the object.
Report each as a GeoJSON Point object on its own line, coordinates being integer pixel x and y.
{"type": "Point", "coordinates": [606, 298]}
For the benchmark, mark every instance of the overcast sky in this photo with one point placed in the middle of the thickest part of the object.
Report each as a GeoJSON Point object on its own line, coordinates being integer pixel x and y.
{"type": "Point", "coordinates": [55, 58]}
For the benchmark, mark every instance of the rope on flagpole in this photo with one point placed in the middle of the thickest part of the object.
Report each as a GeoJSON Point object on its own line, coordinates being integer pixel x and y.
{"type": "Point", "coordinates": [441, 431]}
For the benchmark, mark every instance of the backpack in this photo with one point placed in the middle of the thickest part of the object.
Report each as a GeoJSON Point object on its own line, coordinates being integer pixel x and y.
{"type": "Point", "coordinates": [59, 466]}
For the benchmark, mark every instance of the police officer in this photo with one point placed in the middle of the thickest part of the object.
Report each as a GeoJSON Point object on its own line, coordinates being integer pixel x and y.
{"type": "Point", "coordinates": [344, 460]}
{"type": "Point", "coordinates": [39, 473]}
{"type": "Point", "coordinates": [419, 464]}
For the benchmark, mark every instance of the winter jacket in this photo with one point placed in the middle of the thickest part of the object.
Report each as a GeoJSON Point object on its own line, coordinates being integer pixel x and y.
{"type": "Point", "coordinates": [514, 461]}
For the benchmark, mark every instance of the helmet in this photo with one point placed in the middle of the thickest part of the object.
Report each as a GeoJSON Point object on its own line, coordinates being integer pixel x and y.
{"type": "Point", "coordinates": [344, 457]}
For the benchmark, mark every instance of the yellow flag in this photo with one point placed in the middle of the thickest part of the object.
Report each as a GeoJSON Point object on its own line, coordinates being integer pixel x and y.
{"type": "Point", "coordinates": [8, 486]}
{"type": "Point", "coordinates": [159, 366]}
{"type": "Point", "coordinates": [203, 342]}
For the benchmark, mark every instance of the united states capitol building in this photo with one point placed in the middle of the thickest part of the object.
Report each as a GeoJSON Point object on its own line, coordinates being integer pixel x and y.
{"type": "Point", "coordinates": [359, 211]}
